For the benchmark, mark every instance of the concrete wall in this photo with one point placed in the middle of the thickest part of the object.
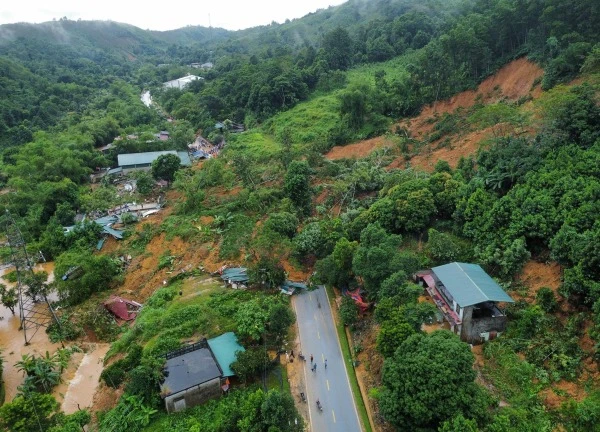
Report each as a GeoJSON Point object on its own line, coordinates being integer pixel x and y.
{"type": "Point", "coordinates": [471, 328]}
{"type": "Point", "coordinates": [194, 396]}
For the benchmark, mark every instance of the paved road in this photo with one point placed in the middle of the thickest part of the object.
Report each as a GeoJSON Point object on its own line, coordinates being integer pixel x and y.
{"type": "Point", "coordinates": [319, 338]}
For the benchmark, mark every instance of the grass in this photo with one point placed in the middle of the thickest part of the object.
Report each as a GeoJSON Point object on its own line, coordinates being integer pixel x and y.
{"type": "Point", "coordinates": [277, 379]}
{"type": "Point", "coordinates": [344, 343]}
{"type": "Point", "coordinates": [253, 142]}
{"type": "Point", "coordinates": [203, 308]}
{"type": "Point", "coordinates": [307, 122]}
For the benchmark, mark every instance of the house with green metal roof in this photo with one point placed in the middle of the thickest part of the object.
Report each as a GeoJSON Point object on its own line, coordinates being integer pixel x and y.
{"type": "Point", "coordinates": [143, 161]}
{"type": "Point", "coordinates": [198, 372]}
{"type": "Point", "coordinates": [468, 298]}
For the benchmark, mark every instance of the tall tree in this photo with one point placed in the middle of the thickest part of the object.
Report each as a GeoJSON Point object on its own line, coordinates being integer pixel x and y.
{"type": "Point", "coordinates": [438, 370]}
{"type": "Point", "coordinates": [297, 185]}
{"type": "Point", "coordinates": [165, 167]}
{"type": "Point", "coordinates": [338, 49]}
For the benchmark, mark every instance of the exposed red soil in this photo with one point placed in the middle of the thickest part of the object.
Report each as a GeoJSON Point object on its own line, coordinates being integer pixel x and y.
{"type": "Point", "coordinates": [460, 147]}
{"type": "Point", "coordinates": [295, 274]}
{"type": "Point", "coordinates": [512, 82]}
{"type": "Point", "coordinates": [360, 149]}
{"type": "Point", "coordinates": [536, 275]}
{"type": "Point", "coordinates": [565, 390]}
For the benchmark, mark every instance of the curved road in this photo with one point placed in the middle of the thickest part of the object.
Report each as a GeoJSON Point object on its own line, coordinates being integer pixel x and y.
{"type": "Point", "coordinates": [318, 337]}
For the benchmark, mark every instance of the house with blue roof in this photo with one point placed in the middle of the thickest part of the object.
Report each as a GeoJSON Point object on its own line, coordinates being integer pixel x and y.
{"type": "Point", "coordinates": [468, 298]}
{"type": "Point", "coordinates": [198, 372]}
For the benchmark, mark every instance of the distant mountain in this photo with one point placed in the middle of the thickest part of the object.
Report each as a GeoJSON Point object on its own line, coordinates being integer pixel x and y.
{"type": "Point", "coordinates": [88, 37]}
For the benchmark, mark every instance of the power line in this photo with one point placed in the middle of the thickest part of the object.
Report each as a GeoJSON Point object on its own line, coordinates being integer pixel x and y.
{"type": "Point", "coordinates": [33, 313]}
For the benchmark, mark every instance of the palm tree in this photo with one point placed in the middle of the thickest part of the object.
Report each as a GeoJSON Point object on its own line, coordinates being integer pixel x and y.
{"type": "Point", "coordinates": [26, 364]}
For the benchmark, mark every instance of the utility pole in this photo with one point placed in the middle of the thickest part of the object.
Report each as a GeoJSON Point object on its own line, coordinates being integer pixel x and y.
{"type": "Point", "coordinates": [33, 313]}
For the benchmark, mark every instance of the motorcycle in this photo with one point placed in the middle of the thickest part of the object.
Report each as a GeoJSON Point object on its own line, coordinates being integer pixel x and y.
{"type": "Point", "coordinates": [303, 396]}
{"type": "Point", "coordinates": [319, 406]}
{"type": "Point", "coordinates": [301, 357]}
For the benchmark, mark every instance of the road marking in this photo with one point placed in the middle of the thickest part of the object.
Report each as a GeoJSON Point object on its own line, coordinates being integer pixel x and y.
{"type": "Point", "coordinates": [323, 357]}
{"type": "Point", "coordinates": [310, 296]}
{"type": "Point", "coordinates": [318, 334]}
{"type": "Point", "coordinates": [333, 412]}
{"type": "Point", "coordinates": [315, 316]}
{"type": "Point", "coordinates": [337, 338]}
{"type": "Point", "coordinates": [303, 369]}
{"type": "Point", "coordinates": [327, 381]}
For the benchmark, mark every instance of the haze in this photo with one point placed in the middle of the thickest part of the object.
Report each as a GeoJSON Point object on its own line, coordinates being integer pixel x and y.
{"type": "Point", "coordinates": [229, 14]}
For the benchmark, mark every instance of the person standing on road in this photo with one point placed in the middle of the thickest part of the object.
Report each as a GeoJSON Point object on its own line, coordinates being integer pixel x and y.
{"type": "Point", "coordinates": [325, 363]}
{"type": "Point", "coordinates": [311, 358]}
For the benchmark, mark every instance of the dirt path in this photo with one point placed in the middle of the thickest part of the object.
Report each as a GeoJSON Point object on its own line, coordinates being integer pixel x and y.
{"type": "Point", "coordinates": [82, 386]}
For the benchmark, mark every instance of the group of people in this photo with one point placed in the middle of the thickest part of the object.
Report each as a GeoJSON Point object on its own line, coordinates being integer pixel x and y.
{"type": "Point", "coordinates": [314, 364]}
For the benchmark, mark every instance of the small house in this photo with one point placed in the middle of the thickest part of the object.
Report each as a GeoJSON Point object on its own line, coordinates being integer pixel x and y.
{"type": "Point", "coordinates": [468, 299]}
{"type": "Point", "coordinates": [198, 372]}
{"type": "Point", "coordinates": [126, 310]}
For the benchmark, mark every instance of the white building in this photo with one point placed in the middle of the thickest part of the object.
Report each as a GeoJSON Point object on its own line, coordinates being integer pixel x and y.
{"type": "Point", "coordinates": [181, 83]}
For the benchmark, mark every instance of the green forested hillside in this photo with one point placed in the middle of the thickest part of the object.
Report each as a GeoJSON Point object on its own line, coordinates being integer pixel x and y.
{"type": "Point", "coordinates": [524, 195]}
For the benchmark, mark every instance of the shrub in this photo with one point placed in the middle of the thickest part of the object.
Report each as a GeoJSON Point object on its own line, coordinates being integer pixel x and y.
{"type": "Point", "coordinates": [348, 311]}
{"type": "Point", "coordinates": [283, 223]}
{"type": "Point", "coordinates": [546, 299]}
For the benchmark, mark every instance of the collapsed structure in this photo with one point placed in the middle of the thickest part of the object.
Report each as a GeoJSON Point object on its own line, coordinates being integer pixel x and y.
{"type": "Point", "coordinates": [468, 299]}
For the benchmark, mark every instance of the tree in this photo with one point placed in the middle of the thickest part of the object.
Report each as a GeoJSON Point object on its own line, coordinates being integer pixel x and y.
{"type": "Point", "coordinates": [280, 320]}
{"type": "Point", "coordinates": [459, 424]}
{"type": "Point", "coordinates": [90, 273]}
{"type": "Point", "coordinates": [441, 246]}
{"type": "Point", "coordinates": [279, 413]}
{"type": "Point", "coordinates": [9, 298]}
{"type": "Point", "coordinates": [338, 49]}
{"type": "Point", "coordinates": [438, 368]}
{"type": "Point", "coordinates": [144, 182]}
{"type": "Point", "coordinates": [251, 319]}
{"type": "Point", "coordinates": [27, 413]}
{"type": "Point", "coordinates": [250, 363]}
{"type": "Point", "coordinates": [353, 105]}
{"type": "Point", "coordinates": [546, 299]}
{"type": "Point", "coordinates": [348, 311]}
{"type": "Point", "coordinates": [391, 336]}
{"type": "Point", "coordinates": [266, 272]}
{"type": "Point", "coordinates": [374, 257]}
{"type": "Point", "coordinates": [165, 167]}
{"type": "Point", "coordinates": [283, 223]}
{"type": "Point", "coordinates": [297, 186]}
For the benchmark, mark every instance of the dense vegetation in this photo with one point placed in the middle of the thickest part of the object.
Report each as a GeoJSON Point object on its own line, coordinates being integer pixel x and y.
{"type": "Point", "coordinates": [302, 87]}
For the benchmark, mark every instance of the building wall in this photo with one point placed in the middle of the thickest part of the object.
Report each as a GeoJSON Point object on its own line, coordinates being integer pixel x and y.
{"type": "Point", "coordinates": [471, 328]}
{"type": "Point", "coordinates": [131, 168]}
{"type": "Point", "coordinates": [194, 396]}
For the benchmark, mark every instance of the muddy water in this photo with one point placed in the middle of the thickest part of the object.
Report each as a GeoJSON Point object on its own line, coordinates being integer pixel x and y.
{"type": "Point", "coordinates": [12, 341]}
{"type": "Point", "coordinates": [82, 386]}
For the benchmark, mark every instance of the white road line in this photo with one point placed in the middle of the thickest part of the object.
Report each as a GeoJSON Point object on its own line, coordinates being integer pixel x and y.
{"type": "Point", "coordinates": [344, 363]}
{"type": "Point", "coordinates": [333, 412]}
{"type": "Point", "coordinates": [304, 371]}
{"type": "Point", "coordinates": [318, 334]}
{"type": "Point", "coordinates": [327, 381]}
{"type": "Point", "coordinates": [323, 357]}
